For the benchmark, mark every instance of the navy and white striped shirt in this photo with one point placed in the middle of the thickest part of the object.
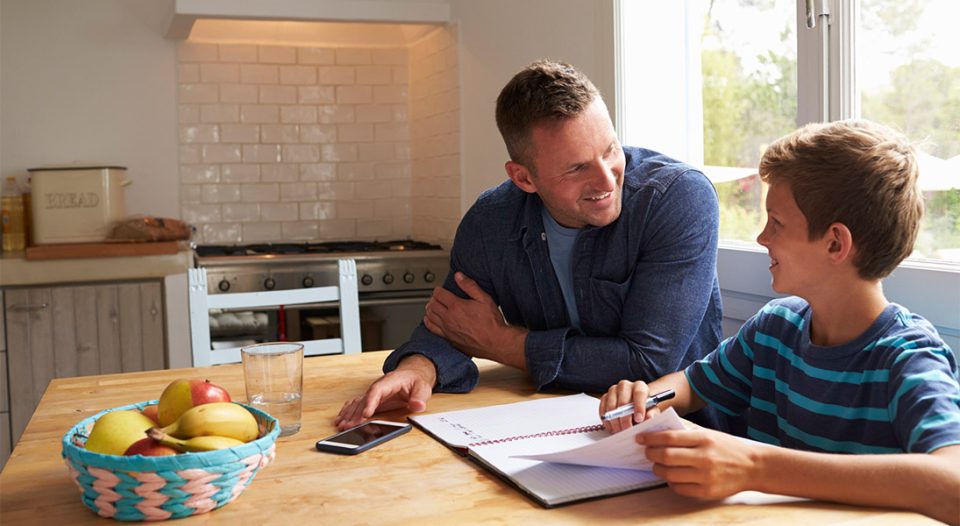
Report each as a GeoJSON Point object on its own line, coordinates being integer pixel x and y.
{"type": "Point", "coordinates": [894, 389]}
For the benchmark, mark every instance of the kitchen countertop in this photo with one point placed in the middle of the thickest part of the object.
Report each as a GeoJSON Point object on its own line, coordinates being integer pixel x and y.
{"type": "Point", "coordinates": [15, 270]}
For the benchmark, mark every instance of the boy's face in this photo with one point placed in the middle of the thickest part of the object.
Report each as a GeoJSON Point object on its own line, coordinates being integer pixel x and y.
{"type": "Point", "coordinates": [797, 265]}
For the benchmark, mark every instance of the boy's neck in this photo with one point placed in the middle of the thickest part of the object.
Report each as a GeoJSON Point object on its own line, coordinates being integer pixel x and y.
{"type": "Point", "coordinates": [846, 312]}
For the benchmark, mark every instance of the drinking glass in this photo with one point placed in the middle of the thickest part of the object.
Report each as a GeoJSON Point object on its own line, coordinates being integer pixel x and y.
{"type": "Point", "coordinates": [273, 376]}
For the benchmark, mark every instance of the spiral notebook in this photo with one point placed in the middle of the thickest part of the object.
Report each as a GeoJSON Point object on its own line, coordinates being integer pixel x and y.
{"type": "Point", "coordinates": [554, 450]}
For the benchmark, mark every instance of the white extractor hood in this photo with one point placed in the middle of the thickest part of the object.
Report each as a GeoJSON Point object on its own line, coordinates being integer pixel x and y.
{"type": "Point", "coordinates": [413, 14]}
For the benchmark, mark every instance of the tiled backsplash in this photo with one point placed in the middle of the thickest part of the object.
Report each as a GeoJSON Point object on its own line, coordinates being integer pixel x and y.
{"type": "Point", "coordinates": [282, 143]}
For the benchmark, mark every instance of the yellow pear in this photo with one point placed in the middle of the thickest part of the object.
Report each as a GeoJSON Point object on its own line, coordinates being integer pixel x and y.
{"type": "Point", "coordinates": [116, 431]}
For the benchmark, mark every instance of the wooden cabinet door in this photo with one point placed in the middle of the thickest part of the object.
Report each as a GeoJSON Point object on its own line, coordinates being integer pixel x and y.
{"type": "Point", "coordinates": [60, 332]}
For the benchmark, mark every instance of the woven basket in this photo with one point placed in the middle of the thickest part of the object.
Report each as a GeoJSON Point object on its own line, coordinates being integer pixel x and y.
{"type": "Point", "coordinates": [139, 488]}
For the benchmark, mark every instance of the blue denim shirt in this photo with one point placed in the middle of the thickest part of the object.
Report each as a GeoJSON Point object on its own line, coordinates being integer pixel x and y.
{"type": "Point", "coordinates": [646, 285]}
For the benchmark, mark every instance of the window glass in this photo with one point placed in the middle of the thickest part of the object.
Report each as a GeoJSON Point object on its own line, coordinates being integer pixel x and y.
{"type": "Point", "coordinates": [907, 55]}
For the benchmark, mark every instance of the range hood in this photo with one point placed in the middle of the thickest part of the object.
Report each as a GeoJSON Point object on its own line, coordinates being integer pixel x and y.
{"type": "Point", "coordinates": [410, 17]}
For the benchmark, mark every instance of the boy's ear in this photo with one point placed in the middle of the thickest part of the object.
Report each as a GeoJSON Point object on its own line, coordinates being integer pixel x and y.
{"type": "Point", "coordinates": [520, 176]}
{"type": "Point", "coordinates": [839, 241]}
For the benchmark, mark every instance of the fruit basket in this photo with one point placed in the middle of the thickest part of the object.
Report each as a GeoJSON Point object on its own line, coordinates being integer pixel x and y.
{"type": "Point", "coordinates": [139, 488]}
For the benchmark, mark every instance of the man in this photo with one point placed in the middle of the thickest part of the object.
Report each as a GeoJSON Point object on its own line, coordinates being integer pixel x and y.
{"type": "Point", "coordinates": [601, 260]}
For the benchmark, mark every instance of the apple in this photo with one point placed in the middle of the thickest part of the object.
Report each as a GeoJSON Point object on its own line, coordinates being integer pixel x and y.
{"type": "Point", "coordinates": [151, 412]}
{"type": "Point", "coordinates": [149, 447]}
{"type": "Point", "coordinates": [184, 394]}
{"type": "Point", "coordinates": [116, 431]}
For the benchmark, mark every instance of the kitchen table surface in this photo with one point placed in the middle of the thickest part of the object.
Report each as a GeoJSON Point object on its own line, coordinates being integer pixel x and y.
{"type": "Point", "coordinates": [412, 479]}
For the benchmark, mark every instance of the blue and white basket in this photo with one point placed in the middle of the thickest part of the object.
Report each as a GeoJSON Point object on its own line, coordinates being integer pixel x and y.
{"type": "Point", "coordinates": [139, 488]}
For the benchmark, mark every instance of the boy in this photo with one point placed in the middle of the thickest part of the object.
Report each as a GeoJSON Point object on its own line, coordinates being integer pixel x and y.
{"type": "Point", "coordinates": [835, 368]}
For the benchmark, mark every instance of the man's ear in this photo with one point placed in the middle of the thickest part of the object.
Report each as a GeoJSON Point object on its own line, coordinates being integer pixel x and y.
{"type": "Point", "coordinates": [520, 176]}
{"type": "Point", "coordinates": [839, 241]}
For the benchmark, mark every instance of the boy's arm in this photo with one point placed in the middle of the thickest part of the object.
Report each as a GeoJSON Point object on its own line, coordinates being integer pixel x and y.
{"type": "Point", "coordinates": [708, 464]}
{"type": "Point", "coordinates": [685, 399]}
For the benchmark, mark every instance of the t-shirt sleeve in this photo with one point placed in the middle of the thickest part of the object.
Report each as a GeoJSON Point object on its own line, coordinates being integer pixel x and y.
{"type": "Point", "coordinates": [724, 378]}
{"type": "Point", "coordinates": [925, 398]}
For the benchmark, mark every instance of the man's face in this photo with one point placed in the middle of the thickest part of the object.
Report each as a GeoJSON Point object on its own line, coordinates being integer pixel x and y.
{"type": "Point", "coordinates": [579, 168]}
{"type": "Point", "coordinates": [797, 264]}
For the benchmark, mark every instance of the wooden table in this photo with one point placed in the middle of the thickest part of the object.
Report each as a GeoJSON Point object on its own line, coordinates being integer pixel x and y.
{"type": "Point", "coordinates": [409, 480]}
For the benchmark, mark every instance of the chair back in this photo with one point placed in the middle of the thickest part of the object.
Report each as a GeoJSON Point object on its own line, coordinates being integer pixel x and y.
{"type": "Point", "coordinates": [344, 294]}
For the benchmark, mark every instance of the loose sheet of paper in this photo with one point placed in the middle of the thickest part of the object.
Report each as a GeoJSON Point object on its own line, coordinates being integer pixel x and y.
{"type": "Point", "coordinates": [615, 451]}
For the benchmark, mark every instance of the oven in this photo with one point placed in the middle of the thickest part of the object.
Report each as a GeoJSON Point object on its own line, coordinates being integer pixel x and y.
{"type": "Point", "coordinates": [394, 279]}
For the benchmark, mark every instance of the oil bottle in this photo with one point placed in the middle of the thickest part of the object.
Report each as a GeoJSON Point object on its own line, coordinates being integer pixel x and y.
{"type": "Point", "coordinates": [14, 235]}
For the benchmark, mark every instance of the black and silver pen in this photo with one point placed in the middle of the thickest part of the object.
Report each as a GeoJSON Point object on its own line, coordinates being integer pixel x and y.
{"type": "Point", "coordinates": [627, 409]}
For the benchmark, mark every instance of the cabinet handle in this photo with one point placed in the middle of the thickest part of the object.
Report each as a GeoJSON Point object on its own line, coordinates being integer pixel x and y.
{"type": "Point", "coordinates": [27, 307]}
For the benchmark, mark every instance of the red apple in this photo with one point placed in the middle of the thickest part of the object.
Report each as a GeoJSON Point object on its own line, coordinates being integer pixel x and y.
{"type": "Point", "coordinates": [183, 394]}
{"type": "Point", "coordinates": [151, 412]}
{"type": "Point", "coordinates": [149, 447]}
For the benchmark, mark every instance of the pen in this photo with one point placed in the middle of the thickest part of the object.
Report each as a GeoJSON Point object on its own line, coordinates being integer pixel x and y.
{"type": "Point", "coordinates": [627, 409]}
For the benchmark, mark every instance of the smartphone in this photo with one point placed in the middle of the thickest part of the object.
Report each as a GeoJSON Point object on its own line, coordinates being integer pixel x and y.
{"type": "Point", "coordinates": [362, 437]}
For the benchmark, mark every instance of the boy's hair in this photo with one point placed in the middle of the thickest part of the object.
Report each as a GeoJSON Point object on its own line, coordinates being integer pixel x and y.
{"type": "Point", "coordinates": [544, 90]}
{"type": "Point", "coordinates": [858, 173]}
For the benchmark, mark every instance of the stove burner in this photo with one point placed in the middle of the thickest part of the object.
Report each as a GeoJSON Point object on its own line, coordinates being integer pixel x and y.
{"type": "Point", "coordinates": [326, 247]}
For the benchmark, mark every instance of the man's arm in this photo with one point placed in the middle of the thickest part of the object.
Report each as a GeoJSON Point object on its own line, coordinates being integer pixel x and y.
{"type": "Point", "coordinates": [711, 465]}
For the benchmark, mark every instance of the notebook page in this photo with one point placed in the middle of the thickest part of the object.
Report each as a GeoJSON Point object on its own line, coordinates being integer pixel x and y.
{"type": "Point", "coordinates": [615, 451]}
{"type": "Point", "coordinates": [469, 426]}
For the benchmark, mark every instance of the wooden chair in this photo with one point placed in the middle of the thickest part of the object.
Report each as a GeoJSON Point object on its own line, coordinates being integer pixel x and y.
{"type": "Point", "coordinates": [344, 294]}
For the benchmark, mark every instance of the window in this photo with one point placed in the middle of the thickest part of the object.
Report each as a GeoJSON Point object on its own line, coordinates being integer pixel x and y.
{"type": "Point", "coordinates": [726, 77]}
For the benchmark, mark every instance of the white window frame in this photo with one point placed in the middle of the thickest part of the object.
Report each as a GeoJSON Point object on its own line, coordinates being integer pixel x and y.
{"type": "Point", "coordinates": [930, 288]}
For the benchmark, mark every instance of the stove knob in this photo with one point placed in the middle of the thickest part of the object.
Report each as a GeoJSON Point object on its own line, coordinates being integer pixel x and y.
{"type": "Point", "coordinates": [307, 282]}
{"type": "Point", "coordinates": [269, 283]}
{"type": "Point", "coordinates": [408, 277]}
{"type": "Point", "coordinates": [429, 277]}
{"type": "Point", "coordinates": [366, 279]}
{"type": "Point", "coordinates": [224, 285]}
{"type": "Point", "coordinates": [387, 278]}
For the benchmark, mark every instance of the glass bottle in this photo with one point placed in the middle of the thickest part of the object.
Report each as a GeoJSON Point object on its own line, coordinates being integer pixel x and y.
{"type": "Point", "coordinates": [12, 212]}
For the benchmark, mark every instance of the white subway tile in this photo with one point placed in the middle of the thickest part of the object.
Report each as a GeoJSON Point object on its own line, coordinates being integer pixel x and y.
{"type": "Point", "coordinates": [335, 114]}
{"type": "Point", "coordinates": [335, 191]}
{"type": "Point", "coordinates": [239, 133]}
{"type": "Point", "coordinates": [277, 54]}
{"type": "Point", "coordinates": [200, 213]}
{"type": "Point", "coordinates": [393, 56]}
{"type": "Point", "coordinates": [391, 208]}
{"type": "Point", "coordinates": [278, 95]}
{"type": "Point", "coordinates": [190, 154]}
{"type": "Point", "coordinates": [317, 210]}
{"type": "Point", "coordinates": [194, 52]}
{"type": "Point", "coordinates": [301, 153]}
{"type": "Point", "coordinates": [373, 113]}
{"type": "Point", "coordinates": [401, 188]}
{"type": "Point", "coordinates": [373, 189]}
{"type": "Point", "coordinates": [222, 233]}
{"type": "Point", "coordinates": [191, 193]}
{"type": "Point", "coordinates": [221, 193]}
{"type": "Point", "coordinates": [221, 153]}
{"type": "Point", "coordinates": [203, 133]}
{"type": "Point", "coordinates": [300, 75]}
{"type": "Point", "coordinates": [261, 153]}
{"type": "Point", "coordinates": [374, 228]}
{"type": "Point", "coordinates": [275, 173]}
{"type": "Point", "coordinates": [219, 72]}
{"type": "Point", "coordinates": [238, 53]}
{"type": "Point", "coordinates": [318, 172]}
{"type": "Point", "coordinates": [300, 230]}
{"type": "Point", "coordinates": [260, 193]}
{"type": "Point", "coordinates": [376, 152]}
{"type": "Point", "coordinates": [279, 133]}
{"type": "Point", "coordinates": [188, 73]}
{"type": "Point", "coordinates": [394, 94]}
{"type": "Point", "coordinates": [188, 113]}
{"type": "Point", "coordinates": [354, 132]}
{"type": "Point", "coordinates": [354, 209]}
{"type": "Point", "coordinates": [333, 229]}
{"type": "Point", "coordinates": [280, 212]}
{"type": "Point", "coordinates": [356, 94]}
{"type": "Point", "coordinates": [317, 133]}
{"type": "Point", "coordinates": [316, 55]}
{"type": "Point", "coordinates": [392, 132]}
{"type": "Point", "coordinates": [259, 74]}
{"type": "Point", "coordinates": [351, 56]}
{"type": "Point", "coordinates": [335, 75]}
{"type": "Point", "coordinates": [401, 74]}
{"type": "Point", "coordinates": [401, 151]}
{"type": "Point", "coordinates": [196, 93]}
{"type": "Point", "coordinates": [260, 113]}
{"type": "Point", "coordinates": [219, 113]}
{"type": "Point", "coordinates": [238, 93]}
{"type": "Point", "coordinates": [199, 173]}
{"type": "Point", "coordinates": [399, 112]}
{"type": "Point", "coordinates": [240, 173]}
{"type": "Point", "coordinates": [298, 192]}
{"type": "Point", "coordinates": [338, 152]}
{"type": "Point", "coordinates": [316, 94]}
{"type": "Point", "coordinates": [393, 170]}
{"type": "Point", "coordinates": [262, 232]}
{"type": "Point", "coordinates": [298, 114]}
{"type": "Point", "coordinates": [374, 75]}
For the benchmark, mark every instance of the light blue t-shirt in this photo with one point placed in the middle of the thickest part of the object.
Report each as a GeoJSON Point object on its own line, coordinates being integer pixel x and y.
{"type": "Point", "coordinates": [560, 243]}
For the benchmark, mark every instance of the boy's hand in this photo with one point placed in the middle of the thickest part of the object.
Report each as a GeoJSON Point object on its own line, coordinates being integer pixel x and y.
{"type": "Point", "coordinates": [624, 393]}
{"type": "Point", "coordinates": [701, 463]}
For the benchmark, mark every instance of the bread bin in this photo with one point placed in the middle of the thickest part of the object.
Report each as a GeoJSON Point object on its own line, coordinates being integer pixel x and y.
{"type": "Point", "coordinates": [76, 203]}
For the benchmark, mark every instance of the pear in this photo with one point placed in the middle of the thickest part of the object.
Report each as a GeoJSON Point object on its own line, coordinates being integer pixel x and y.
{"type": "Point", "coordinates": [183, 394]}
{"type": "Point", "coordinates": [114, 432]}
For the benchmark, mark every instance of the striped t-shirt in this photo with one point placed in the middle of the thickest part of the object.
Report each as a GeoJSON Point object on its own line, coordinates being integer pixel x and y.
{"type": "Point", "coordinates": [894, 389]}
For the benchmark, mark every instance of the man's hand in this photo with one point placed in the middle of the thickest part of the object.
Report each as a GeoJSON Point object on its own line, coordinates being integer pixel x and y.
{"type": "Point", "coordinates": [702, 463]}
{"type": "Point", "coordinates": [409, 385]}
{"type": "Point", "coordinates": [474, 325]}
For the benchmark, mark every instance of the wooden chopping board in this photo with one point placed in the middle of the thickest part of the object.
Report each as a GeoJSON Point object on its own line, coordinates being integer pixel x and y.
{"type": "Point", "coordinates": [102, 250]}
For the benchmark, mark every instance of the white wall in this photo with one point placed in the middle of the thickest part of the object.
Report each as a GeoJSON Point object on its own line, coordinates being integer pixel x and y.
{"type": "Point", "coordinates": [91, 81]}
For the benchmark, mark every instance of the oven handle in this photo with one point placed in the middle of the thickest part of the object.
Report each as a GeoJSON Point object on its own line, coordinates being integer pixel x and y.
{"type": "Point", "coordinates": [377, 302]}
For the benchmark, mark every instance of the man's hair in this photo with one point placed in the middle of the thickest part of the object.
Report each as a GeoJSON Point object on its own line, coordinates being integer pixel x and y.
{"type": "Point", "coordinates": [858, 173]}
{"type": "Point", "coordinates": [543, 91]}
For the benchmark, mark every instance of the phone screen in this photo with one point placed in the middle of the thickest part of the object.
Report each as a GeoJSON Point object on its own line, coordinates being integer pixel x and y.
{"type": "Point", "coordinates": [365, 434]}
